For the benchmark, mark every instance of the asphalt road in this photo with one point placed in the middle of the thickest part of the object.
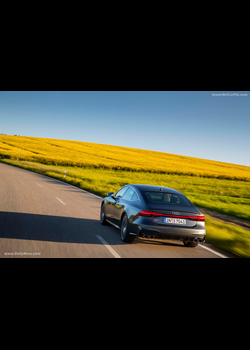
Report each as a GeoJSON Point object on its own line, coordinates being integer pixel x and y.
{"type": "Point", "coordinates": [43, 217]}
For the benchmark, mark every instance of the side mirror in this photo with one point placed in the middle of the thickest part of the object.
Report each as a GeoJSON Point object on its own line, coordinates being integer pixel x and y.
{"type": "Point", "coordinates": [110, 194]}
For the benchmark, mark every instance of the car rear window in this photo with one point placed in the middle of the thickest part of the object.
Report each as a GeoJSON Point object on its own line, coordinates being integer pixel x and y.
{"type": "Point", "coordinates": [166, 198]}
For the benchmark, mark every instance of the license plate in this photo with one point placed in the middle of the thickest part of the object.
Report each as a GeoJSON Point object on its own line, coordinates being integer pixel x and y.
{"type": "Point", "coordinates": [175, 221]}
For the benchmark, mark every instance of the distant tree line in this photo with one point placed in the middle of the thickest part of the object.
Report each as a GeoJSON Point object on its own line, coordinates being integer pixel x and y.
{"type": "Point", "coordinates": [6, 134]}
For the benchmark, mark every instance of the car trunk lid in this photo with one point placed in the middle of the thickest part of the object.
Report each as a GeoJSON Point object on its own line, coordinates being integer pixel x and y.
{"type": "Point", "coordinates": [180, 216]}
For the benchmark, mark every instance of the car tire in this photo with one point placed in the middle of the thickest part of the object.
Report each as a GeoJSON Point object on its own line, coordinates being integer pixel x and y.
{"type": "Point", "coordinates": [125, 236]}
{"type": "Point", "coordinates": [102, 216]}
{"type": "Point", "coordinates": [190, 244]}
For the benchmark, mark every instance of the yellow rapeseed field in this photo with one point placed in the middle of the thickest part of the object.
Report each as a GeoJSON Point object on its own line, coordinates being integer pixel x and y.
{"type": "Point", "coordinates": [85, 154]}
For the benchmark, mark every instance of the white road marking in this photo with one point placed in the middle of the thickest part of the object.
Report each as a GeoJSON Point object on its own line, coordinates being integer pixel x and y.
{"type": "Point", "coordinates": [211, 250]}
{"type": "Point", "coordinates": [60, 200]}
{"type": "Point", "coordinates": [67, 184]}
{"type": "Point", "coordinates": [112, 251]}
{"type": "Point", "coordinates": [39, 185]}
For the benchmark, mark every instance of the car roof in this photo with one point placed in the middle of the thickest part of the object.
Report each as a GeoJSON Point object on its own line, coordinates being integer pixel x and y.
{"type": "Point", "coordinates": [151, 188]}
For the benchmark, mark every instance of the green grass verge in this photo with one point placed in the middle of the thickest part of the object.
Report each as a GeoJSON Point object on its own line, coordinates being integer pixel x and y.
{"type": "Point", "coordinates": [232, 239]}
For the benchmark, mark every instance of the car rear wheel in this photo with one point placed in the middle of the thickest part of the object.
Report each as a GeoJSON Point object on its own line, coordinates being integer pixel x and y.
{"type": "Point", "coordinates": [124, 230]}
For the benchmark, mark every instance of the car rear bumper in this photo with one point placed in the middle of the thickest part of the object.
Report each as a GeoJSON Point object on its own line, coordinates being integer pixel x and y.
{"type": "Point", "coordinates": [172, 233]}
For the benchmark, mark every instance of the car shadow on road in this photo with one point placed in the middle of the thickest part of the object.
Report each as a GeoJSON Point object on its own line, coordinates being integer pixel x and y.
{"type": "Point", "coordinates": [50, 228]}
{"type": "Point", "coordinates": [63, 229]}
{"type": "Point", "coordinates": [159, 242]}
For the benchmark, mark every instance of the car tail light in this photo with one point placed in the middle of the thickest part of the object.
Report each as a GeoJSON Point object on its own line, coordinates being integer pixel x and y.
{"type": "Point", "coordinates": [152, 213]}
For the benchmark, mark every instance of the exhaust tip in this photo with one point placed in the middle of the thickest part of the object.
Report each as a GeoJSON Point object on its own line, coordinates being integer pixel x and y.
{"type": "Point", "coordinates": [145, 235]}
{"type": "Point", "coordinates": [195, 240]}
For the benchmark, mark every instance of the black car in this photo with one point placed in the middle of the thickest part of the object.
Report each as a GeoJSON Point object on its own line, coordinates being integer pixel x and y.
{"type": "Point", "coordinates": [153, 212]}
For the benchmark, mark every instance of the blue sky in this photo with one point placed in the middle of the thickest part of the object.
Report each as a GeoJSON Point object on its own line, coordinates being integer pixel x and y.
{"type": "Point", "coordinates": [190, 123]}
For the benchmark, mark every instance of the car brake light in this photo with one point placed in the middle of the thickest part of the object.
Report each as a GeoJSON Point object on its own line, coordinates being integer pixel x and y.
{"type": "Point", "coordinates": [152, 213]}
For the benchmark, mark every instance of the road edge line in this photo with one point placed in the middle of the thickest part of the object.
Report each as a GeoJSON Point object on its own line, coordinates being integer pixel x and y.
{"type": "Point", "coordinates": [112, 251]}
{"type": "Point", "coordinates": [213, 251]}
